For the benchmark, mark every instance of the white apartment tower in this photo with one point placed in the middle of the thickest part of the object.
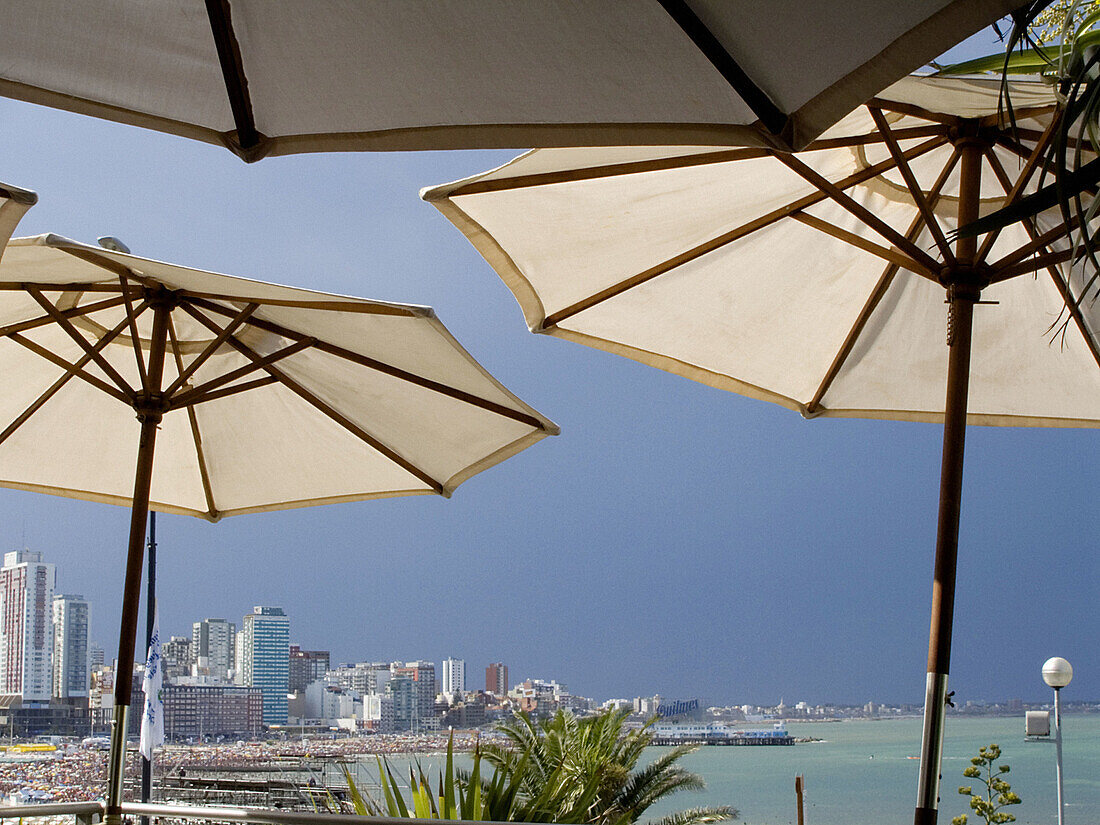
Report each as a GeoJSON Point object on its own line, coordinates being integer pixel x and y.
{"type": "Point", "coordinates": [26, 599]}
{"type": "Point", "coordinates": [71, 673]}
{"type": "Point", "coordinates": [454, 678]}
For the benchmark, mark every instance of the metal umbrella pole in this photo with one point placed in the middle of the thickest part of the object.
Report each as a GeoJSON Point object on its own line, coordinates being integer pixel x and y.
{"type": "Point", "coordinates": [149, 407]}
{"type": "Point", "coordinates": [150, 615]}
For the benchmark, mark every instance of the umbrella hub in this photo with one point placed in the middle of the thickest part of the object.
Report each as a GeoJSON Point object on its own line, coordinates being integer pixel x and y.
{"type": "Point", "coordinates": [970, 133]}
{"type": "Point", "coordinates": [965, 281]}
{"type": "Point", "coordinates": [159, 295]}
{"type": "Point", "coordinates": [150, 407]}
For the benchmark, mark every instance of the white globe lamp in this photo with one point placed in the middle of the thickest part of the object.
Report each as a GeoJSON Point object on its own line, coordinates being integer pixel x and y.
{"type": "Point", "coordinates": [1058, 673]}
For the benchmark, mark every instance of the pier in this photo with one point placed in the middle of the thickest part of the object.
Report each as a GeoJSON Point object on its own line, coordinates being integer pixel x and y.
{"type": "Point", "coordinates": [732, 740]}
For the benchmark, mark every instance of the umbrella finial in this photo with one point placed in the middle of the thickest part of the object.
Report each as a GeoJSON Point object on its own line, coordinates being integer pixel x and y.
{"type": "Point", "coordinates": [113, 244]}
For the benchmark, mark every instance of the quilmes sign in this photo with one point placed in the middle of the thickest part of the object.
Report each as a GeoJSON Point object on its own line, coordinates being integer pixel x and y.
{"type": "Point", "coordinates": [678, 708]}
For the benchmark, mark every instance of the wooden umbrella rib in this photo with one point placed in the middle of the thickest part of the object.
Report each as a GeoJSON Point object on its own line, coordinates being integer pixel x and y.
{"type": "Point", "coordinates": [210, 349]}
{"type": "Point", "coordinates": [102, 261]}
{"type": "Point", "coordinates": [386, 369]}
{"type": "Point", "coordinates": [610, 170]}
{"type": "Point", "coordinates": [359, 306]}
{"type": "Point", "coordinates": [773, 118]}
{"type": "Point", "coordinates": [875, 223]}
{"type": "Point", "coordinates": [197, 394]}
{"type": "Point", "coordinates": [99, 383]}
{"type": "Point", "coordinates": [733, 235]}
{"type": "Point", "coordinates": [226, 392]}
{"type": "Point", "coordinates": [1024, 152]}
{"type": "Point", "coordinates": [61, 382]}
{"type": "Point", "coordinates": [1035, 244]}
{"type": "Point", "coordinates": [73, 312]}
{"type": "Point", "coordinates": [1043, 261]}
{"type": "Point", "coordinates": [893, 256]}
{"type": "Point", "coordinates": [1074, 309]}
{"type": "Point", "coordinates": [320, 405]}
{"type": "Point", "coordinates": [905, 133]}
{"type": "Point", "coordinates": [339, 418]}
{"type": "Point", "coordinates": [1055, 275]}
{"type": "Point", "coordinates": [134, 337]}
{"type": "Point", "coordinates": [1013, 191]}
{"type": "Point", "coordinates": [879, 292]}
{"type": "Point", "coordinates": [51, 286]}
{"type": "Point", "coordinates": [913, 185]}
{"type": "Point", "coordinates": [1071, 142]}
{"type": "Point", "coordinates": [914, 111]}
{"type": "Point", "coordinates": [997, 119]}
{"type": "Point", "coordinates": [232, 66]}
{"type": "Point", "coordinates": [82, 342]}
{"type": "Point", "coordinates": [196, 434]}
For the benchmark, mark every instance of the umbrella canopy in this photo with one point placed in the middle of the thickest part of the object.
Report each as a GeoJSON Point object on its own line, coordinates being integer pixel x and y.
{"type": "Point", "coordinates": [817, 279]}
{"type": "Point", "coordinates": [741, 269]}
{"type": "Point", "coordinates": [288, 398]}
{"type": "Point", "coordinates": [326, 75]}
{"type": "Point", "coordinates": [249, 397]}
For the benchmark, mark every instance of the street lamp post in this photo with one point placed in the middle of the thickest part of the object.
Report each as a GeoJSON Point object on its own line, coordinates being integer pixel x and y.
{"type": "Point", "coordinates": [1057, 673]}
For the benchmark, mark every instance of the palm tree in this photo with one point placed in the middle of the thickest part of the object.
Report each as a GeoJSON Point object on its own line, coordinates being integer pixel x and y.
{"type": "Point", "coordinates": [584, 769]}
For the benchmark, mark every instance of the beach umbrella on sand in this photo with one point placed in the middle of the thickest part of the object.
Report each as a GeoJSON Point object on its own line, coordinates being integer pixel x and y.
{"type": "Point", "coordinates": [817, 280]}
{"type": "Point", "coordinates": [257, 397]}
{"type": "Point", "coordinates": [326, 75]}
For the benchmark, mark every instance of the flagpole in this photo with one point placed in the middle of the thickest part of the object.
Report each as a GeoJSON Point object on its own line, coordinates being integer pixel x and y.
{"type": "Point", "coordinates": [150, 605]}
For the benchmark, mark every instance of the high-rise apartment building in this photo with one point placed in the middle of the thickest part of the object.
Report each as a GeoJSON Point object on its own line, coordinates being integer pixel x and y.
{"type": "Point", "coordinates": [266, 665]}
{"type": "Point", "coordinates": [496, 679]}
{"type": "Point", "coordinates": [177, 657]}
{"type": "Point", "coordinates": [454, 678]}
{"type": "Point", "coordinates": [213, 647]}
{"type": "Point", "coordinates": [71, 672]}
{"type": "Point", "coordinates": [26, 643]}
{"type": "Point", "coordinates": [306, 667]}
{"type": "Point", "coordinates": [412, 687]}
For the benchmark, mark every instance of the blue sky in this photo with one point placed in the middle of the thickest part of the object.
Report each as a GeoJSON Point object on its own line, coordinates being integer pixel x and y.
{"type": "Point", "coordinates": [674, 538]}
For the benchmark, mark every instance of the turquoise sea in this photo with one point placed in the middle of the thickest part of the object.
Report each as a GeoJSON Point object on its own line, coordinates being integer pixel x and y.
{"type": "Point", "coordinates": [862, 773]}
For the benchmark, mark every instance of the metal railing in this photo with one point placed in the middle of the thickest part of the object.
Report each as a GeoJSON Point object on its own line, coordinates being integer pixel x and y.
{"type": "Point", "coordinates": [88, 813]}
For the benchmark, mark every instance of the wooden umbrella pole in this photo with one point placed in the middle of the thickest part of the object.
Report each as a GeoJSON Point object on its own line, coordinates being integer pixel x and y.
{"type": "Point", "coordinates": [963, 281]}
{"type": "Point", "coordinates": [149, 408]}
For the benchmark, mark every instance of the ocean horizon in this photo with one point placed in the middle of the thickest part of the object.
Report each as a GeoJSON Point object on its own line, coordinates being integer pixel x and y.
{"type": "Point", "coordinates": [865, 771]}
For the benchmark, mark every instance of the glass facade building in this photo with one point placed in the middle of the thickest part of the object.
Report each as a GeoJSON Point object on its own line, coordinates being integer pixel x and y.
{"type": "Point", "coordinates": [266, 663]}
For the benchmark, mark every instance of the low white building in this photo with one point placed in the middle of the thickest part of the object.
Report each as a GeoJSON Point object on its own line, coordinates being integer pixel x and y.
{"type": "Point", "coordinates": [329, 702]}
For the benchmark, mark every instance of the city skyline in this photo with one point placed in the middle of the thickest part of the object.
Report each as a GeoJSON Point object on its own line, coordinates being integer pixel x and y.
{"type": "Point", "coordinates": [313, 664]}
{"type": "Point", "coordinates": [673, 539]}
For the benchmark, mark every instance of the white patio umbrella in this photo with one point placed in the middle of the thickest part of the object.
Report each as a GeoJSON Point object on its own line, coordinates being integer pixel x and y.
{"type": "Point", "coordinates": [818, 280]}
{"type": "Point", "coordinates": [256, 397]}
{"type": "Point", "coordinates": [328, 75]}
{"type": "Point", "coordinates": [14, 203]}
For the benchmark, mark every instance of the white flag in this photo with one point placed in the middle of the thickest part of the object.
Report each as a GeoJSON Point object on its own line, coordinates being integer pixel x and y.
{"type": "Point", "coordinates": [152, 719]}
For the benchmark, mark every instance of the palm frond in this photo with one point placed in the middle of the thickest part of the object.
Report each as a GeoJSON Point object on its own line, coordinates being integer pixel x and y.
{"type": "Point", "coordinates": [699, 816]}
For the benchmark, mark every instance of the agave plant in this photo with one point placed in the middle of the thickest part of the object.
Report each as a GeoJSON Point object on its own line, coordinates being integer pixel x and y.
{"type": "Point", "coordinates": [456, 795]}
